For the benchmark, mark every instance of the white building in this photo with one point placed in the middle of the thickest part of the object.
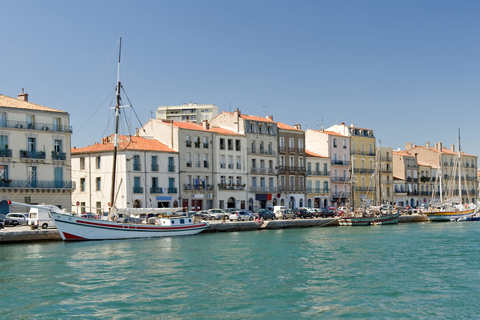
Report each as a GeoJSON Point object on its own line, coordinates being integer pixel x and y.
{"type": "Point", "coordinates": [34, 154]}
{"type": "Point", "coordinates": [146, 174]}
{"type": "Point", "coordinates": [190, 112]}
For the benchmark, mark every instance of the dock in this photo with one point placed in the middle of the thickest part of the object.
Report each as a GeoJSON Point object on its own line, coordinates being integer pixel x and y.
{"type": "Point", "coordinates": [22, 234]}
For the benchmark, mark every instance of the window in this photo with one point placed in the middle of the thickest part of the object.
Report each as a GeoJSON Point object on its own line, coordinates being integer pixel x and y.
{"type": "Point", "coordinates": [82, 163]}
{"type": "Point", "coordinates": [188, 141]}
{"type": "Point", "coordinates": [154, 163]}
{"type": "Point", "coordinates": [334, 142]}
{"type": "Point", "coordinates": [82, 184]}
{"type": "Point", "coordinates": [205, 142]}
{"type": "Point", "coordinates": [197, 160]}
{"type": "Point", "coordinates": [197, 142]}
{"type": "Point", "coordinates": [57, 146]}
{"type": "Point", "coordinates": [230, 162]}
{"type": "Point", "coordinates": [136, 162]}
{"type": "Point", "coordinates": [271, 183]}
{"type": "Point", "coordinates": [239, 163]}
{"type": "Point", "coordinates": [230, 144]}
{"type": "Point", "coordinates": [31, 122]}
{"type": "Point", "coordinates": [171, 165]}
{"type": "Point", "coordinates": [3, 119]}
{"type": "Point", "coordinates": [3, 142]}
{"type": "Point", "coordinates": [57, 124]}
{"type": "Point", "coordinates": [344, 144]}
{"type": "Point", "coordinates": [205, 160]}
{"type": "Point", "coordinates": [32, 144]}
{"type": "Point", "coordinates": [99, 162]}
{"type": "Point", "coordinates": [189, 159]}
{"type": "Point", "coordinates": [253, 147]}
{"type": "Point", "coordinates": [222, 162]}
{"type": "Point", "coordinates": [58, 177]}
{"type": "Point", "coordinates": [222, 144]}
{"type": "Point", "coordinates": [281, 142]}
{"type": "Point", "coordinates": [238, 145]}
{"type": "Point", "coordinates": [98, 183]}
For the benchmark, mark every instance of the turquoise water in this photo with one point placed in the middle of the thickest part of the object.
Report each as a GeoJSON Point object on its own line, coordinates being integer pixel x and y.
{"type": "Point", "coordinates": [420, 270]}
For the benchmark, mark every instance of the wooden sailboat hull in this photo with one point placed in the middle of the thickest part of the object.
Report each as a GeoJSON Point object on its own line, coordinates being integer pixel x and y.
{"type": "Point", "coordinates": [449, 215]}
{"type": "Point", "coordinates": [73, 228]}
{"type": "Point", "coordinates": [368, 221]}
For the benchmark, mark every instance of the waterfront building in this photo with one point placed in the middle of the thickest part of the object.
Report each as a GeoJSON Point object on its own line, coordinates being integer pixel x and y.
{"type": "Point", "coordinates": [34, 154]}
{"type": "Point", "coordinates": [261, 147]}
{"type": "Point", "coordinates": [363, 163]}
{"type": "Point", "coordinates": [447, 162]}
{"type": "Point", "coordinates": [400, 192]}
{"type": "Point", "coordinates": [385, 192]}
{"type": "Point", "coordinates": [146, 174]}
{"type": "Point", "coordinates": [336, 147]}
{"type": "Point", "coordinates": [426, 184]}
{"type": "Point", "coordinates": [291, 166]}
{"type": "Point", "coordinates": [405, 168]}
{"type": "Point", "coordinates": [193, 144]}
{"type": "Point", "coordinates": [188, 112]}
{"type": "Point", "coordinates": [318, 180]}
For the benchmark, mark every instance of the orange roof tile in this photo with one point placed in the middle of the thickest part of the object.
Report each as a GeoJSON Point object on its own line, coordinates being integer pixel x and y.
{"type": "Point", "coordinates": [286, 127]}
{"type": "Point", "coordinates": [313, 154]}
{"type": "Point", "coordinates": [9, 102]}
{"type": "Point", "coordinates": [125, 143]}
{"type": "Point", "coordinates": [224, 131]}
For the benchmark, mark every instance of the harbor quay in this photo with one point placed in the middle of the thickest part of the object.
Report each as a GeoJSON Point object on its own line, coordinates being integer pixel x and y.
{"type": "Point", "coordinates": [22, 234]}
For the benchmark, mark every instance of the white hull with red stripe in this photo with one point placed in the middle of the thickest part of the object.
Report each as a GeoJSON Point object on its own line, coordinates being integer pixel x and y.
{"type": "Point", "coordinates": [76, 228]}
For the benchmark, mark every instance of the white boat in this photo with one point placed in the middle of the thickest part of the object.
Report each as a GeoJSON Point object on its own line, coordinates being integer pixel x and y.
{"type": "Point", "coordinates": [72, 227]}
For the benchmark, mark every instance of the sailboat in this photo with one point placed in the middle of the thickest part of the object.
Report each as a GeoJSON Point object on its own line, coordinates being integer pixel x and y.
{"type": "Point", "coordinates": [362, 218]}
{"type": "Point", "coordinates": [72, 227]}
{"type": "Point", "coordinates": [448, 210]}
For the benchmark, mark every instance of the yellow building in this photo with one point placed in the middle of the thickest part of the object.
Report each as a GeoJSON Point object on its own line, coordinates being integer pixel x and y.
{"type": "Point", "coordinates": [362, 155]}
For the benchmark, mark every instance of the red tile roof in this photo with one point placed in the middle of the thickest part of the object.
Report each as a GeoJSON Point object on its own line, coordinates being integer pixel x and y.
{"type": "Point", "coordinates": [286, 127]}
{"type": "Point", "coordinates": [313, 154]}
{"type": "Point", "coordinates": [198, 127]}
{"type": "Point", "coordinates": [125, 143]}
{"type": "Point", "coordinates": [9, 102]}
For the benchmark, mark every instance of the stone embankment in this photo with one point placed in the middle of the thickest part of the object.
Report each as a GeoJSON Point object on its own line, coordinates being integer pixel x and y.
{"type": "Point", "coordinates": [24, 234]}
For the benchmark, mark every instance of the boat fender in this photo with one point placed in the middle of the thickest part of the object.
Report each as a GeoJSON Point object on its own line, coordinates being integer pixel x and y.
{"type": "Point", "coordinates": [156, 222]}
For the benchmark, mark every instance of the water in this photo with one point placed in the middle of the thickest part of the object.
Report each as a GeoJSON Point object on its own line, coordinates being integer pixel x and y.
{"type": "Point", "coordinates": [420, 271]}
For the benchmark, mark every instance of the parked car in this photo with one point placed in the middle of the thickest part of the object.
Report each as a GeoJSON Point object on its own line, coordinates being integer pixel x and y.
{"type": "Point", "coordinates": [8, 221]}
{"type": "Point", "coordinates": [265, 214]}
{"type": "Point", "coordinates": [285, 214]}
{"type": "Point", "coordinates": [326, 212]}
{"type": "Point", "coordinates": [22, 218]}
{"type": "Point", "coordinates": [216, 214]}
{"type": "Point", "coordinates": [240, 215]}
{"type": "Point", "coordinates": [304, 213]}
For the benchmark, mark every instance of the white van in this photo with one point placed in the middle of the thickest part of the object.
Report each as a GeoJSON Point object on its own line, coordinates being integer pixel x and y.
{"type": "Point", "coordinates": [41, 217]}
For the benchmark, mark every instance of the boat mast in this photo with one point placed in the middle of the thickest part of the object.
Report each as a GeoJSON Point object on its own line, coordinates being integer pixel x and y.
{"type": "Point", "coordinates": [459, 168]}
{"type": "Point", "coordinates": [115, 143]}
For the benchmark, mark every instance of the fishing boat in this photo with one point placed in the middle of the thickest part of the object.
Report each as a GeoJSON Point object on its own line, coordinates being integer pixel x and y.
{"type": "Point", "coordinates": [369, 219]}
{"type": "Point", "coordinates": [452, 209]}
{"type": "Point", "coordinates": [72, 227]}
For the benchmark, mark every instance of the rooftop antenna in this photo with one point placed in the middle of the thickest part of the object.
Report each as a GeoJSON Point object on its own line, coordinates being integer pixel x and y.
{"type": "Point", "coordinates": [265, 110]}
{"type": "Point", "coordinates": [306, 125]}
{"type": "Point", "coordinates": [151, 114]}
{"type": "Point", "coordinates": [322, 123]}
{"type": "Point", "coordinates": [317, 123]}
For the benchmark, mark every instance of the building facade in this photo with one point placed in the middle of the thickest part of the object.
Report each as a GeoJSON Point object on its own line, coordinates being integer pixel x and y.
{"type": "Point", "coordinates": [318, 180]}
{"type": "Point", "coordinates": [188, 112]}
{"type": "Point", "coordinates": [146, 175]}
{"type": "Point", "coordinates": [34, 154]}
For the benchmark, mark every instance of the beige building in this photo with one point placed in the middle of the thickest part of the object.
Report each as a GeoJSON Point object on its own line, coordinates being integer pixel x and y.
{"type": "Point", "coordinates": [34, 154]}
{"type": "Point", "coordinates": [446, 160]}
{"type": "Point", "coordinates": [146, 175]}
{"type": "Point", "coordinates": [385, 191]}
{"type": "Point", "coordinates": [318, 180]}
{"type": "Point", "coordinates": [188, 112]}
{"type": "Point", "coordinates": [405, 168]}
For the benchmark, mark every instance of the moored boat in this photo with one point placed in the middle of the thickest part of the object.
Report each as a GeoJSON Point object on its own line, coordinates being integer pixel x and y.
{"type": "Point", "coordinates": [449, 214]}
{"type": "Point", "coordinates": [369, 219]}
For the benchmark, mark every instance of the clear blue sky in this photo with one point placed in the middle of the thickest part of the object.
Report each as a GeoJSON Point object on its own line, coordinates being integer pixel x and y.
{"type": "Point", "coordinates": [409, 70]}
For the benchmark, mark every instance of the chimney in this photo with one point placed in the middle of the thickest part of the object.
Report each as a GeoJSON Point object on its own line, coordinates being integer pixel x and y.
{"type": "Point", "coordinates": [23, 96]}
{"type": "Point", "coordinates": [427, 145]}
{"type": "Point", "coordinates": [205, 124]}
{"type": "Point", "coordinates": [342, 124]}
{"type": "Point", "coordinates": [236, 120]}
{"type": "Point", "coordinates": [353, 125]}
{"type": "Point", "coordinates": [452, 148]}
{"type": "Point", "coordinates": [408, 145]}
{"type": "Point", "coordinates": [439, 147]}
{"type": "Point", "coordinates": [298, 126]}
{"type": "Point", "coordinates": [270, 118]}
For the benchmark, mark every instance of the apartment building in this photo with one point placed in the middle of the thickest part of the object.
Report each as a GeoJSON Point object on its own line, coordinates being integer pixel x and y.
{"type": "Point", "coordinates": [146, 175]}
{"type": "Point", "coordinates": [385, 189]}
{"type": "Point", "coordinates": [188, 112]}
{"type": "Point", "coordinates": [291, 166]}
{"type": "Point", "coordinates": [318, 180]}
{"type": "Point", "coordinates": [262, 145]}
{"type": "Point", "coordinates": [34, 154]}
{"type": "Point", "coordinates": [336, 147]}
{"type": "Point", "coordinates": [363, 163]}
{"type": "Point", "coordinates": [451, 174]}
{"type": "Point", "coordinates": [405, 168]}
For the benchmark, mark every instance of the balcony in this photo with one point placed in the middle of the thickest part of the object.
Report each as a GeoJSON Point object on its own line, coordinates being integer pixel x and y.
{"type": "Point", "coordinates": [194, 187]}
{"type": "Point", "coordinates": [32, 154]}
{"type": "Point", "coordinates": [341, 195]}
{"type": "Point", "coordinates": [156, 190]}
{"type": "Point", "coordinates": [6, 153]}
{"type": "Point", "coordinates": [205, 145]}
{"type": "Point", "coordinates": [263, 189]}
{"type": "Point", "coordinates": [35, 126]}
{"type": "Point", "coordinates": [253, 170]}
{"type": "Point", "coordinates": [188, 143]}
{"type": "Point", "coordinates": [340, 163]}
{"type": "Point", "coordinates": [137, 189]}
{"type": "Point", "coordinates": [171, 168]}
{"type": "Point", "coordinates": [282, 169]}
{"type": "Point", "coordinates": [317, 190]}
{"type": "Point", "coordinates": [291, 189]}
{"type": "Point", "coordinates": [136, 166]}
{"type": "Point", "coordinates": [281, 149]}
{"type": "Point", "coordinates": [172, 190]}
{"type": "Point", "coordinates": [238, 187]}
{"type": "Point", "coordinates": [340, 179]}
{"type": "Point", "coordinates": [154, 167]}
{"type": "Point", "coordinates": [59, 155]}
{"type": "Point", "coordinates": [363, 189]}
{"type": "Point", "coordinates": [22, 184]}
{"type": "Point", "coordinates": [318, 173]}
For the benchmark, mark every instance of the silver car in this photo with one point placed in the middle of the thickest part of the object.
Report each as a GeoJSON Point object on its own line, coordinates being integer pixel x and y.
{"type": "Point", "coordinates": [240, 215]}
{"type": "Point", "coordinates": [22, 218]}
{"type": "Point", "coordinates": [216, 214]}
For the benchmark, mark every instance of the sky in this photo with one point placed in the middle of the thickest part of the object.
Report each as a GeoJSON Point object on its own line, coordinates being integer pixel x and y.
{"type": "Point", "coordinates": [409, 70]}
